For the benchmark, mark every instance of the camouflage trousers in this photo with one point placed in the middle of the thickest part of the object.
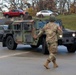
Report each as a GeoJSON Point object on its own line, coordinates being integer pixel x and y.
{"type": "Point", "coordinates": [52, 48]}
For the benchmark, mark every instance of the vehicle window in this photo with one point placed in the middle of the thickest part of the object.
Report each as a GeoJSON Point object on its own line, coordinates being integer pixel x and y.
{"type": "Point", "coordinates": [17, 27]}
{"type": "Point", "coordinates": [3, 27]}
{"type": "Point", "coordinates": [46, 11]}
{"type": "Point", "coordinates": [27, 26]}
{"type": "Point", "coordinates": [15, 10]}
{"type": "Point", "coordinates": [49, 11]}
{"type": "Point", "coordinates": [20, 10]}
{"type": "Point", "coordinates": [43, 11]}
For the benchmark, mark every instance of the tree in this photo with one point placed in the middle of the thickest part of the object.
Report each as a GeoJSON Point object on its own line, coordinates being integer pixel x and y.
{"type": "Point", "coordinates": [15, 4]}
{"type": "Point", "coordinates": [43, 4]}
{"type": "Point", "coordinates": [64, 6]}
{"type": "Point", "coordinates": [73, 7]}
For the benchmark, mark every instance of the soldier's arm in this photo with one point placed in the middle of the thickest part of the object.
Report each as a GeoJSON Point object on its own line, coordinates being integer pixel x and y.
{"type": "Point", "coordinates": [59, 30]}
{"type": "Point", "coordinates": [40, 33]}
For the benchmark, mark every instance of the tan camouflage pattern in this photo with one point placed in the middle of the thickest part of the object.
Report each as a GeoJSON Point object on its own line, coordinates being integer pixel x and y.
{"type": "Point", "coordinates": [51, 30]}
{"type": "Point", "coordinates": [52, 47]}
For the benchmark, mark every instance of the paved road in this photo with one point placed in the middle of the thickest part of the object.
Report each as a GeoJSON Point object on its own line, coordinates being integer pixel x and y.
{"type": "Point", "coordinates": [26, 61]}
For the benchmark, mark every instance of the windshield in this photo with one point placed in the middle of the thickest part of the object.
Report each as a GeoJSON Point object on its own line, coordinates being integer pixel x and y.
{"type": "Point", "coordinates": [58, 22]}
{"type": "Point", "coordinates": [20, 10]}
{"type": "Point", "coordinates": [5, 27]}
{"type": "Point", "coordinates": [49, 11]}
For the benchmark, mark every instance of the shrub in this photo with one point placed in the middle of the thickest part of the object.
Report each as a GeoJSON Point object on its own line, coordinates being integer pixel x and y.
{"type": "Point", "coordinates": [31, 11]}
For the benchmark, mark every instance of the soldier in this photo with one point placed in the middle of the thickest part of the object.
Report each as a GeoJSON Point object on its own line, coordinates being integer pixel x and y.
{"type": "Point", "coordinates": [27, 16]}
{"type": "Point", "coordinates": [51, 30]}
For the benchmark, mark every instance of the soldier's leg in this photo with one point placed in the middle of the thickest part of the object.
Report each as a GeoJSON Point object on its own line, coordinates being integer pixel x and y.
{"type": "Point", "coordinates": [54, 61]}
{"type": "Point", "coordinates": [46, 64]}
{"type": "Point", "coordinates": [48, 60]}
{"type": "Point", "coordinates": [51, 58]}
{"type": "Point", "coordinates": [53, 53]}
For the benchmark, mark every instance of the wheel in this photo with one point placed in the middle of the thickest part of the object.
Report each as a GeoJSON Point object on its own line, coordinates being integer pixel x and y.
{"type": "Point", "coordinates": [44, 47]}
{"type": "Point", "coordinates": [40, 16]}
{"type": "Point", "coordinates": [71, 48]}
{"type": "Point", "coordinates": [35, 46]}
{"type": "Point", "coordinates": [10, 43]}
{"type": "Point", "coordinates": [7, 16]}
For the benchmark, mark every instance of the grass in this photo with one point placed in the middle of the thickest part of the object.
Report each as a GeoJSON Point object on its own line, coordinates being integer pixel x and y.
{"type": "Point", "coordinates": [69, 21]}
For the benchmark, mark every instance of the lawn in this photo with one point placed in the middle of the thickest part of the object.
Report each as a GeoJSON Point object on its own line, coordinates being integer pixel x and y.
{"type": "Point", "coordinates": [69, 21]}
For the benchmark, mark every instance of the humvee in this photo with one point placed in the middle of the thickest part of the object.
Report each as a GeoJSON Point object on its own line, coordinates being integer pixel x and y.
{"type": "Point", "coordinates": [2, 29]}
{"type": "Point", "coordinates": [21, 32]}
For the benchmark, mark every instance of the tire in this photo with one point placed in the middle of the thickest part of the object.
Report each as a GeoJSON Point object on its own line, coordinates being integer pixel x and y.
{"type": "Point", "coordinates": [10, 43]}
{"type": "Point", "coordinates": [44, 47]}
{"type": "Point", "coordinates": [34, 46]}
{"type": "Point", "coordinates": [7, 16]}
{"type": "Point", "coordinates": [71, 48]}
{"type": "Point", "coordinates": [40, 16]}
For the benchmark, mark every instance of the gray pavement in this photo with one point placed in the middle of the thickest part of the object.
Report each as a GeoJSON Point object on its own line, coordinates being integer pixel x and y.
{"type": "Point", "coordinates": [27, 61]}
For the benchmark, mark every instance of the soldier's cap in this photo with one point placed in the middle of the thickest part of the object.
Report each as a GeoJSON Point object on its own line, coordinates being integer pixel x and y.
{"type": "Point", "coordinates": [52, 19]}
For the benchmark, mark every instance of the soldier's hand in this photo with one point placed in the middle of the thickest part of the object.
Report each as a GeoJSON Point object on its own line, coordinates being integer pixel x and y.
{"type": "Point", "coordinates": [35, 37]}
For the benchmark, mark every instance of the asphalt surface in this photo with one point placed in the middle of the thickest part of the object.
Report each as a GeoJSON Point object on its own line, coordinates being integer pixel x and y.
{"type": "Point", "coordinates": [27, 61]}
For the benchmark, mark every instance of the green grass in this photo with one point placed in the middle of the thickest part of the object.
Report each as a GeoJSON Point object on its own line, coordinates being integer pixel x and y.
{"type": "Point", "coordinates": [69, 21]}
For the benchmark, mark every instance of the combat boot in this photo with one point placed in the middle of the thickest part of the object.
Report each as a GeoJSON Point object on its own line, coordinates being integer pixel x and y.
{"type": "Point", "coordinates": [46, 64]}
{"type": "Point", "coordinates": [54, 63]}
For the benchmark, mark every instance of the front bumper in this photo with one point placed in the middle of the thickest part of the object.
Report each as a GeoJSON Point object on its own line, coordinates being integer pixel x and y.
{"type": "Point", "coordinates": [67, 40]}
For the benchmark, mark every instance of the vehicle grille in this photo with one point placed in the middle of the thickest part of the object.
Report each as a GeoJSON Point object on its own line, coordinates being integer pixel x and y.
{"type": "Point", "coordinates": [67, 35]}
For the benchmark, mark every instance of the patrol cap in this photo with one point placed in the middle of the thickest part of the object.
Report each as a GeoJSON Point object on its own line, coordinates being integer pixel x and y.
{"type": "Point", "coordinates": [52, 19]}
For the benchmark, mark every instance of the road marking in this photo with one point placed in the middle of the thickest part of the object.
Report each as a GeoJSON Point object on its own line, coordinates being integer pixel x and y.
{"type": "Point", "coordinates": [5, 56]}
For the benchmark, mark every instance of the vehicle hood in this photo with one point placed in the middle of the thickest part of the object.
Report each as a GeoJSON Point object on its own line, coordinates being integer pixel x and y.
{"type": "Point", "coordinates": [68, 30]}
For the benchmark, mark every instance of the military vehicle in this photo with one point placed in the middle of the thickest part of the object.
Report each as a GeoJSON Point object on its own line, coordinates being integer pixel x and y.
{"type": "Point", "coordinates": [22, 31]}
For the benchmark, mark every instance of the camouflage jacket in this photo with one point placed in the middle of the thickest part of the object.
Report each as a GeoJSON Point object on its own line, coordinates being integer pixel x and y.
{"type": "Point", "coordinates": [52, 31]}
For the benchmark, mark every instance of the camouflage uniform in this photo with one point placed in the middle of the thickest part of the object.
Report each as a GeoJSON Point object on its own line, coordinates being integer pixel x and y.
{"type": "Point", "coordinates": [51, 30]}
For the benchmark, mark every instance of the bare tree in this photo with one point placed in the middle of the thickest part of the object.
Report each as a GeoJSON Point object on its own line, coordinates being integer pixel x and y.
{"type": "Point", "coordinates": [75, 5]}
{"type": "Point", "coordinates": [15, 4]}
{"type": "Point", "coordinates": [43, 4]}
{"type": "Point", "coordinates": [64, 5]}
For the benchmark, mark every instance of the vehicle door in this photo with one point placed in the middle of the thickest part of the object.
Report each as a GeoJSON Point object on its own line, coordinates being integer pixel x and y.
{"type": "Point", "coordinates": [13, 12]}
{"type": "Point", "coordinates": [16, 13]}
{"type": "Point", "coordinates": [45, 13]}
{"type": "Point", "coordinates": [17, 31]}
{"type": "Point", "coordinates": [28, 33]}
